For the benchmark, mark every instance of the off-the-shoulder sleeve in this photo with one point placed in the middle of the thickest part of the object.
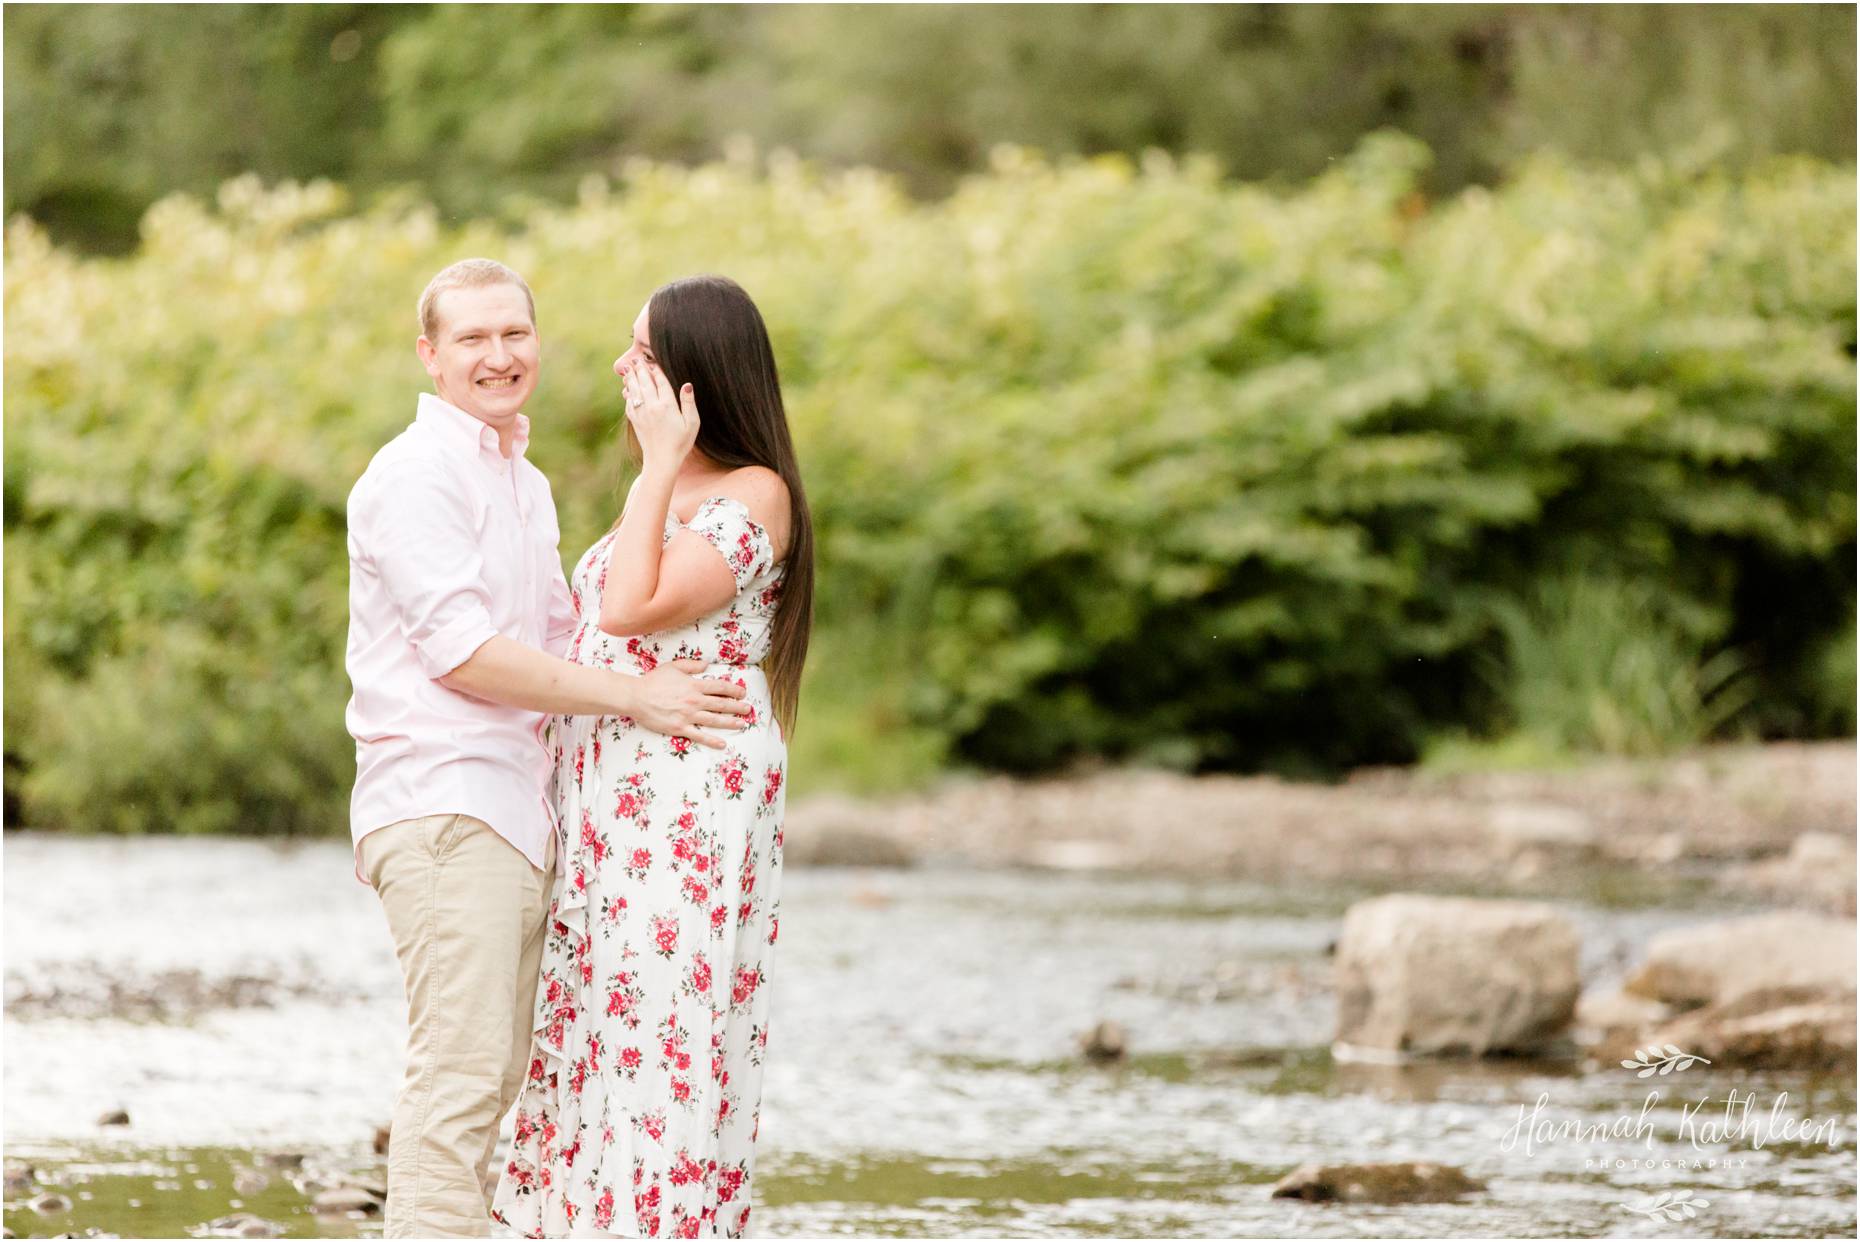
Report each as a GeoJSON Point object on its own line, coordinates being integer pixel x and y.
{"type": "Point", "coordinates": [726, 525]}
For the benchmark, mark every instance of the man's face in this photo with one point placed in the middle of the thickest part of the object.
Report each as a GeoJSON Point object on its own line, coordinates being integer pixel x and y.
{"type": "Point", "coordinates": [485, 357]}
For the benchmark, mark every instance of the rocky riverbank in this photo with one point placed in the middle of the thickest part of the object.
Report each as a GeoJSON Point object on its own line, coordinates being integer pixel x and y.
{"type": "Point", "coordinates": [1773, 823]}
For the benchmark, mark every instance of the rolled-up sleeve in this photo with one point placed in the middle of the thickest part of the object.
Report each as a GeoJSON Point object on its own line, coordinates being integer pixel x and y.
{"type": "Point", "coordinates": [415, 526]}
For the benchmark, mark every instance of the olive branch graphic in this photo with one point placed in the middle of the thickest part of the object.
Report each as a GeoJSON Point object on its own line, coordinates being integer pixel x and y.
{"type": "Point", "coordinates": [1669, 1205]}
{"type": "Point", "coordinates": [1664, 1060]}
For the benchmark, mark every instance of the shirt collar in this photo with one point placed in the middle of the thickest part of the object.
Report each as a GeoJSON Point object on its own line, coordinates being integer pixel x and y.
{"type": "Point", "coordinates": [457, 427]}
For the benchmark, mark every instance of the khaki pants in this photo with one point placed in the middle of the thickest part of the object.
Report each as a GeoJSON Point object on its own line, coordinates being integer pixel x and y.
{"type": "Point", "coordinates": [466, 910]}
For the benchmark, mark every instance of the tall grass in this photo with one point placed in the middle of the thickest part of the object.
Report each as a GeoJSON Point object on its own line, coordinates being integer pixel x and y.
{"type": "Point", "coordinates": [1601, 665]}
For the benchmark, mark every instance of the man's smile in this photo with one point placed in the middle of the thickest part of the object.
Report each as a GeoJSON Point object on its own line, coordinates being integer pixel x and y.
{"type": "Point", "coordinates": [498, 381]}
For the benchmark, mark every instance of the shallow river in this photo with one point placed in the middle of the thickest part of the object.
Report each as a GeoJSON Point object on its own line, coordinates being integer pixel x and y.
{"type": "Point", "coordinates": [238, 999]}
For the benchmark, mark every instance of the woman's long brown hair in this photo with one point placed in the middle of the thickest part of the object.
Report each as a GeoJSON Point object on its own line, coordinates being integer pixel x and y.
{"type": "Point", "coordinates": [705, 331]}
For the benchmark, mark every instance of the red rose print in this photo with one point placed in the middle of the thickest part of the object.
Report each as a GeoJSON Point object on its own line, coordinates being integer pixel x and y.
{"type": "Point", "coordinates": [604, 1209]}
{"type": "Point", "coordinates": [665, 934]}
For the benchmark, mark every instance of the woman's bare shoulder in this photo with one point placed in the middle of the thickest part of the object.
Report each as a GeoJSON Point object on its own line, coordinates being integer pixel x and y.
{"type": "Point", "coordinates": [760, 489]}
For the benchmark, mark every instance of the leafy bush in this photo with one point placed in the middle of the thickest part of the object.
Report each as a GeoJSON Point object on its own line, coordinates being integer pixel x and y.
{"type": "Point", "coordinates": [1112, 460]}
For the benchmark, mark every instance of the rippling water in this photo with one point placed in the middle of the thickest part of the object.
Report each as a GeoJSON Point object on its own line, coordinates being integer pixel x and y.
{"type": "Point", "coordinates": [924, 1076]}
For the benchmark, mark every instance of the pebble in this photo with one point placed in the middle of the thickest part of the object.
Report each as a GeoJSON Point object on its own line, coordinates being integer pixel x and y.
{"type": "Point", "coordinates": [49, 1203]}
{"type": "Point", "coordinates": [115, 1117]}
{"type": "Point", "coordinates": [346, 1199]}
{"type": "Point", "coordinates": [1104, 1042]}
{"type": "Point", "coordinates": [250, 1181]}
{"type": "Point", "coordinates": [242, 1225]}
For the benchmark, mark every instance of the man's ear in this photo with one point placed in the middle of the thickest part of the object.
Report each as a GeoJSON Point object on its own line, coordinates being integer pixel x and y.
{"type": "Point", "coordinates": [429, 357]}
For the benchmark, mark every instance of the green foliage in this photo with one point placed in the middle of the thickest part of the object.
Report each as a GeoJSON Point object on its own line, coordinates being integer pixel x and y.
{"type": "Point", "coordinates": [1832, 689]}
{"type": "Point", "coordinates": [1596, 666]}
{"type": "Point", "coordinates": [109, 107]}
{"type": "Point", "coordinates": [1105, 459]}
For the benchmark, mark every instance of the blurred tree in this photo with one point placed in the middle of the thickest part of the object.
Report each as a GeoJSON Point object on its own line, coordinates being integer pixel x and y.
{"type": "Point", "coordinates": [1740, 81]}
{"type": "Point", "coordinates": [109, 107]}
{"type": "Point", "coordinates": [1272, 90]}
{"type": "Point", "coordinates": [483, 100]}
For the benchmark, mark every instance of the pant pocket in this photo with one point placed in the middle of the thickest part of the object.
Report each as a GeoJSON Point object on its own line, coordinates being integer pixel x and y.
{"type": "Point", "coordinates": [442, 833]}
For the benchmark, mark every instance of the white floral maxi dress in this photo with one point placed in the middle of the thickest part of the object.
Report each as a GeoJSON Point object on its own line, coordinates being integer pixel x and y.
{"type": "Point", "coordinates": [641, 1107]}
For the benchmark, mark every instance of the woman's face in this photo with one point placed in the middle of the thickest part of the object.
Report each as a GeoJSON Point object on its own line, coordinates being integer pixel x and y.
{"type": "Point", "coordinates": [639, 349]}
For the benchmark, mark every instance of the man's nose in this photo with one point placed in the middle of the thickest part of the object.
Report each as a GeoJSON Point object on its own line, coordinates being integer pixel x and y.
{"type": "Point", "coordinates": [500, 356]}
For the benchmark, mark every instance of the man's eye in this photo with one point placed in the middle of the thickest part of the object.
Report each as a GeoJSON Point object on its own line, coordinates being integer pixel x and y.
{"type": "Point", "coordinates": [466, 340]}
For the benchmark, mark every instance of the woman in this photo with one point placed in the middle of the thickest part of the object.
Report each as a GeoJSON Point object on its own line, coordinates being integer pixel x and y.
{"type": "Point", "coordinates": [640, 1112]}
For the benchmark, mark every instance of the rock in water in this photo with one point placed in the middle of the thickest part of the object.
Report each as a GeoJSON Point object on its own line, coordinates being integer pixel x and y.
{"type": "Point", "coordinates": [340, 1199]}
{"type": "Point", "coordinates": [250, 1182]}
{"type": "Point", "coordinates": [382, 1135]}
{"type": "Point", "coordinates": [1437, 976]}
{"type": "Point", "coordinates": [1611, 1024]}
{"type": "Point", "coordinates": [50, 1204]}
{"type": "Point", "coordinates": [115, 1117]}
{"type": "Point", "coordinates": [1395, 1182]}
{"type": "Point", "coordinates": [19, 1178]}
{"type": "Point", "coordinates": [1789, 1028]}
{"type": "Point", "coordinates": [242, 1225]}
{"type": "Point", "coordinates": [1712, 962]}
{"type": "Point", "coordinates": [1104, 1042]}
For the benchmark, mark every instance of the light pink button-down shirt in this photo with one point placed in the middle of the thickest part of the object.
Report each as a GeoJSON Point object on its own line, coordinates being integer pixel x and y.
{"type": "Point", "coordinates": [450, 543]}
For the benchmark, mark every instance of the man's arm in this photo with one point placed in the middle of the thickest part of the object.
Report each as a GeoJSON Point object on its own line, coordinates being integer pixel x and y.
{"type": "Point", "coordinates": [666, 700]}
{"type": "Point", "coordinates": [417, 529]}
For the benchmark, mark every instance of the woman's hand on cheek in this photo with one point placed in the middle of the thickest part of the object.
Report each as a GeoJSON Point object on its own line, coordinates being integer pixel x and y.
{"type": "Point", "coordinates": [666, 423]}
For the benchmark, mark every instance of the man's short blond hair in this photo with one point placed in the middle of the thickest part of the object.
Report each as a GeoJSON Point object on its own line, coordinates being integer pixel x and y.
{"type": "Point", "coordinates": [468, 274]}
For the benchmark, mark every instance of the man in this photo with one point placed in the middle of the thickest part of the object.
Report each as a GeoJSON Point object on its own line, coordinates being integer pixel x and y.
{"type": "Point", "coordinates": [458, 615]}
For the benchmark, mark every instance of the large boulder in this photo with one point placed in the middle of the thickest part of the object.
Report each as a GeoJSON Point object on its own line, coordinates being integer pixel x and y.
{"type": "Point", "coordinates": [1705, 964]}
{"type": "Point", "coordinates": [1771, 1028]}
{"type": "Point", "coordinates": [1420, 975]}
